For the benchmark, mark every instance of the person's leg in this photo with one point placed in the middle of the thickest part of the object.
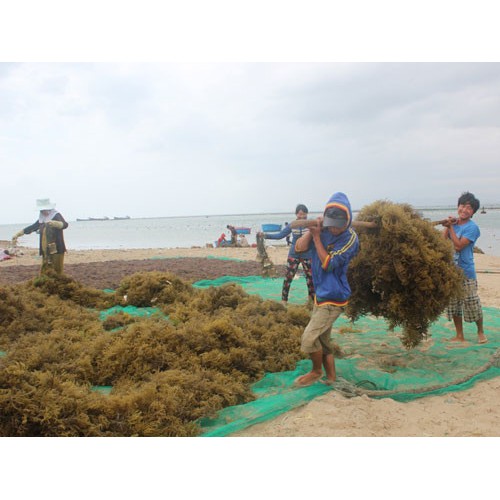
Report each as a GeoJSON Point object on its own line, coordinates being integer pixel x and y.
{"type": "Point", "coordinates": [459, 328]}
{"type": "Point", "coordinates": [316, 343]}
{"type": "Point", "coordinates": [306, 265]}
{"type": "Point", "coordinates": [455, 312]}
{"type": "Point", "coordinates": [291, 268]}
{"type": "Point", "coordinates": [329, 366]}
{"type": "Point", "coordinates": [481, 337]}
{"type": "Point", "coordinates": [473, 311]}
{"type": "Point", "coordinates": [325, 339]}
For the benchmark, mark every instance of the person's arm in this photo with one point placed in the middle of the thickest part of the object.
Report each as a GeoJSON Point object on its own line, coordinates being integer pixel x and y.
{"type": "Point", "coordinates": [458, 243]}
{"type": "Point", "coordinates": [58, 222]}
{"type": "Point", "coordinates": [278, 236]}
{"type": "Point", "coordinates": [303, 243]}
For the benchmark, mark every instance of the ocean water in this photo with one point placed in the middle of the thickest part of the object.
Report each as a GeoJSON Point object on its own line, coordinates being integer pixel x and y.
{"type": "Point", "coordinates": [185, 232]}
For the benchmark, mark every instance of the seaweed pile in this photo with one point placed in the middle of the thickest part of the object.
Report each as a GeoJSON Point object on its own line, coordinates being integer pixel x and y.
{"type": "Point", "coordinates": [197, 354]}
{"type": "Point", "coordinates": [404, 271]}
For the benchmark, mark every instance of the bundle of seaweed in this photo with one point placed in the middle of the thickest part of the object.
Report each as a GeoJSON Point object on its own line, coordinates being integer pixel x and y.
{"type": "Point", "coordinates": [26, 310]}
{"type": "Point", "coordinates": [67, 288]}
{"type": "Point", "coordinates": [152, 288]}
{"type": "Point", "coordinates": [404, 271]}
{"type": "Point", "coordinates": [165, 373]}
{"type": "Point", "coordinates": [118, 320]}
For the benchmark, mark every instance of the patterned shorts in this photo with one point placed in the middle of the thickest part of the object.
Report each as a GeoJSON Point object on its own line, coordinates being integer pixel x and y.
{"type": "Point", "coordinates": [470, 306]}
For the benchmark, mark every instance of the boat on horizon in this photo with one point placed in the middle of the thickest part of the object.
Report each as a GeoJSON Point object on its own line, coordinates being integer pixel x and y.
{"type": "Point", "coordinates": [93, 218]}
{"type": "Point", "coordinates": [126, 217]}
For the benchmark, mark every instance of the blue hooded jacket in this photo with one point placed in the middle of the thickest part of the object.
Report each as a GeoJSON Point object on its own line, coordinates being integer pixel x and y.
{"type": "Point", "coordinates": [330, 276]}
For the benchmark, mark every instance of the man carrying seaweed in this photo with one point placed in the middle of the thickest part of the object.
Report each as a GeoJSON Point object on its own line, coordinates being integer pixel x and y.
{"type": "Point", "coordinates": [463, 233]}
{"type": "Point", "coordinates": [334, 244]}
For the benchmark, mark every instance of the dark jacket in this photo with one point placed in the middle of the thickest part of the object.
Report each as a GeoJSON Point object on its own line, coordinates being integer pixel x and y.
{"type": "Point", "coordinates": [54, 236]}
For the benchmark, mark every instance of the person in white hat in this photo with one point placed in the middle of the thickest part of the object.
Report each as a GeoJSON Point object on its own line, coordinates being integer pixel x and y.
{"type": "Point", "coordinates": [50, 226]}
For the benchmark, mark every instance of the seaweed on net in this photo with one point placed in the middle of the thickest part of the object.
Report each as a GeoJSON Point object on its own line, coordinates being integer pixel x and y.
{"type": "Point", "coordinates": [66, 288]}
{"type": "Point", "coordinates": [118, 320]}
{"type": "Point", "coordinates": [404, 271]}
{"type": "Point", "coordinates": [25, 310]}
{"type": "Point", "coordinates": [41, 403]}
{"type": "Point", "coordinates": [165, 373]}
{"type": "Point", "coordinates": [152, 288]}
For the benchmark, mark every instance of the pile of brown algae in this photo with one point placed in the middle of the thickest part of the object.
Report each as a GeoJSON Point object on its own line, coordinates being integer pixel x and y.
{"type": "Point", "coordinates": [404, 271]}
{"type": "Point", "coordinates": [165, 373]}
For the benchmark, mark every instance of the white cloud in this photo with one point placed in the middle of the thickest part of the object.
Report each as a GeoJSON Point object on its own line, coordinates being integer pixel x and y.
{"type": "Point", "coordinates": [180, 139]}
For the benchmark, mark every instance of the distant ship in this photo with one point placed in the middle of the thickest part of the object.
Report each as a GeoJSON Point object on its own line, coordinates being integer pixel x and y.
{"type": "Point", "coordinates": [483, 211]}
{"type": "Point", "coordinates": [93, 218]}
{"type": "Point", "coordinates": [126, 217]}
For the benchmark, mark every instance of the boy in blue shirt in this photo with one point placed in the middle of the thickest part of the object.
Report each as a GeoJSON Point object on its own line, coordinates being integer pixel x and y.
{"type": "Point", "coordinates": [333, 244]}
{"type": "Point", "coordinates": [463, 233]}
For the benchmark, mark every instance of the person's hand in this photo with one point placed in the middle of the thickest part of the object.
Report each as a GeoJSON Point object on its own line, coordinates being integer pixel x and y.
{"type": "Point", "coordinates": [57, 224]}
{"type": "Point", "coordinates": [315, 230]}
{"type": "Point", "coordinates": [16, 236]}
{"type": "Point", "coordinates": [450, 221]}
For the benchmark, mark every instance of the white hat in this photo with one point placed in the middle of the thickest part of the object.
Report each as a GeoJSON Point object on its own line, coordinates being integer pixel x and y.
{"type": "Point", "coordinates": [44, 204]}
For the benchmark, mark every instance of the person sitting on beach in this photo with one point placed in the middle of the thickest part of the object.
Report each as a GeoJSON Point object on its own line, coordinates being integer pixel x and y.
{"type": "Point", "coordinates": [463, 233]}
{"type": "Point", "coordinates": [50, 225]}
{"type": "Point", "coordinates": [222, 242]}
{"type": "Point", "coordinates": [294, 258]}
{"type": "Point", "coordinates": [243, 242]}
{"type": "Point", "coordinates": [334, 245]}
{"type": "Point", "coordinates": [5, 254]}
{"type": "Point", "coordinates": [234, 235]}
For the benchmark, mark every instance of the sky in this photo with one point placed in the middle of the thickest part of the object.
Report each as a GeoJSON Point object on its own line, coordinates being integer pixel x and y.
{"type": "Point", "coordinates": [174, 139]}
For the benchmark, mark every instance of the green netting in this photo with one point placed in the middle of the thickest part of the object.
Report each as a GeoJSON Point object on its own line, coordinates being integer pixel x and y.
{"type": "Point", "coordinates": [132, 310]}
{"type": "Point", "coordinates": [267, 288]}
{"type": "Point", "coordinates": [103, 389]}
{"type": "Point", "coordinates": [217, 257]}
{"type": "Point", "coordinates": [374, 362]}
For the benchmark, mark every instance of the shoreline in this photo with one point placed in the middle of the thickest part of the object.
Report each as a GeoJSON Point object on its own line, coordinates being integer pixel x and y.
{"type": "Point", "coordinates": [487, 266]}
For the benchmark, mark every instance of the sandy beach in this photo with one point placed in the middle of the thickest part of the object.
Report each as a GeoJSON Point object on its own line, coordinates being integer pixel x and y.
{"type": "Point", "coordinates": [473, 412]}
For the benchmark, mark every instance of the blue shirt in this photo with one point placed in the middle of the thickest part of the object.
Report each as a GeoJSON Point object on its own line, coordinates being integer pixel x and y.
{"type": "Point", "coordinates": [465, 258]}
{"type": "Point", "coordinates": [296, 234]}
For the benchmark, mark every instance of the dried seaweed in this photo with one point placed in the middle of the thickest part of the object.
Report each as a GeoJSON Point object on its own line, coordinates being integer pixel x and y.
{"type": "Point", "coordinates": [66, 288]}
{"type": "Point", "coordinates": [165, 372]}
{"type": "Point", "coordinates": [152, 288]}
{"type": "Point", "coordinates": [404, 271]}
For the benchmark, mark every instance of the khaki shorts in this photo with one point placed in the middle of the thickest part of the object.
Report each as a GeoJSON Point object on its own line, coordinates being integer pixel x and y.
{"type": "Point", "coordinates": [316, 336]}
{"type": "Point", "coordinates": [470, 306]}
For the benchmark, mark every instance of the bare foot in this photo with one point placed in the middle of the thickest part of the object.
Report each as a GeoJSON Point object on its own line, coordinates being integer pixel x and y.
{"type": "Point", "coordinates": [327, 381]}
{"type": "Point", "coordinates": [455, 339]}
{"type": "Point", "coordinates": [307, 379]}
{"type": "Point", "coordinates": [481, 338]}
